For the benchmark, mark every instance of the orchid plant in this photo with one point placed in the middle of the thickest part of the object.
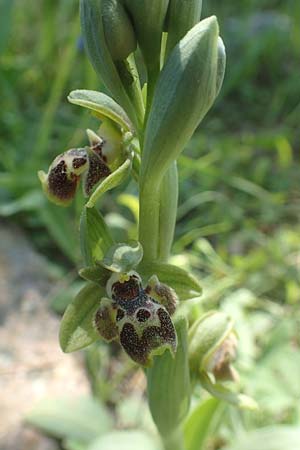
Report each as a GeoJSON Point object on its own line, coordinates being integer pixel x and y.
{"type": "Point", "coordinates": [162, 68]}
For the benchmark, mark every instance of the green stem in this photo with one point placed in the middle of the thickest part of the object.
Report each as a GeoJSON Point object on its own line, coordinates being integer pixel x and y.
{"type": "Point", "coordinates": [158, 210]}
{"type": "Point", "coordinates": [174, 441]}
{"type": "Point", "coordinates": [149, 219]}
{"type": "Point", "coordinates": [153, 73]}
{"type": "Point", "coordinates": [130, 79]}
{"type": "Point", "coordinates": [167, 212]}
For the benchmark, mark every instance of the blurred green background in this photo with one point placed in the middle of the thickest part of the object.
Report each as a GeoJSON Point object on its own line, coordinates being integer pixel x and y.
{"type": "Point", "coordinates": [238, 218]}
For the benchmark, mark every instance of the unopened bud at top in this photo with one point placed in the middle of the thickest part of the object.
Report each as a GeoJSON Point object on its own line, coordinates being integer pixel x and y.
{"type": "Point", "coordinates": [148, 20]}
{"type": "Point", "coordinates": [118, 30]}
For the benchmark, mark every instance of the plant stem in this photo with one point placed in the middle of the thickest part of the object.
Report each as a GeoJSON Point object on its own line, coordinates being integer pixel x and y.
{"type": "Point", "coordinates": [174, 441]}
{"type": "Point", "coordinates": [153, 73]}
{"type": "Point", "coordinates": [167, 212]}
{"type": "Point", "coordinates": [149, 219]}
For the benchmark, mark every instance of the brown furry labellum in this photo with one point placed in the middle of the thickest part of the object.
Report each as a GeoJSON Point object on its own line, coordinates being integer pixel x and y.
{"type": "Point", "coordinates": [61, 183]}
{"type": "Point", "coordinates": [144, 326]}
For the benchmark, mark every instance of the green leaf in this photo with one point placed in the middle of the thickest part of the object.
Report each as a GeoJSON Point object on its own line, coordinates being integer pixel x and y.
{"type": "Point", "coordinates": [281, 437]}
{"type": "Point", "coordinates": [185, 91]}
{"type": "Point", "coordinates": [125, 440]}
{"type": "Point", "coordinates": [198, 425]}
{"type": "Point", "coordinates": [169, 384]}
{"type": "Point", "coordinates": [102, 104]}
{"type": "Point", "coordinates": [184, 283]}
{"type": "Point", "coordinates": [83, 419]}
{"type": "Point", "coordinates": [76, 328]}
{"type": "Point", "coordinates": [113, 180]}
{"type": "Point", "coordinates": [123, 257]}
{"type": "Point", "coordinates": [95, 237]}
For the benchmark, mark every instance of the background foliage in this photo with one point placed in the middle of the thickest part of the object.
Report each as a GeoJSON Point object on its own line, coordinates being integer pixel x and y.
{"type": "Point", "coordinates": [238, 218]}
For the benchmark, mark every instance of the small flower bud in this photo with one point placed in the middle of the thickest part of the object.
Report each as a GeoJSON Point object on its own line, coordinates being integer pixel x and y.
{"type": "Point", "coordinates": [212, 345]}
{"type": "Point", "coordinates": [187, 88]}
{"type": "Point", "coordinates": [220, 362]}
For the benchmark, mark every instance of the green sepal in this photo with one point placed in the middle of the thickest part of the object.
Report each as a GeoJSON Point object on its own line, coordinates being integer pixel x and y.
{"type": "Point", "coordinates": [168, 203]}
{"type": "Point", "coordinates": [223, 393]}
{"type": "Point", "coordinates": [95, 237]}
{"type": "Point", "coordinates": [76, 329]}
{"type": "Point", "coordinates": [169, 384]}
{"type": "Point", "coordinates": [221, 65]}
{"type": "Point", "coordinates": [103, 105]}
{"type": "Point", "coordinates": [122, 258]}
{"type": "Point", "coordinates": [113, 180]}
{"type": "Point", "coordinates": [185, 284]}
{"type": "Point", "coordinates": [99, 54]}
{"type": "Point", "coordinates": [97, 274]}
{"type": "Point", "coordinates": [185, 91]}
{"type": "Point", "coordinates": [182, 16]}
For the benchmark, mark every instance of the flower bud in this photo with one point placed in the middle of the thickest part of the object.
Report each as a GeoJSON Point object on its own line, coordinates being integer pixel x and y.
{"type": "Point", "coordinates": [185, 91]}
{"type": "Point", "coordinates": [212, 349]}
{"type": "Point", "coordinates": [212, 345]}
{"type": "Point", "coordinates": [148, 21]}
{"type": "Point", "coordinates": [182, 16]}
{"type": "Point", "coordinates": [94, 36]}
{"type": "Point", "coordinates": [221, 65]}
{"type": "Point", "coordinates": [61, 182]}
{"type": "Point", "coordinates": [118, 30]}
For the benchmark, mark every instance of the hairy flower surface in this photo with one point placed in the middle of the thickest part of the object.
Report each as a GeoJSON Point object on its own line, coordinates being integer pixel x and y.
{"type": "Point", "coordinates": [141, 323]}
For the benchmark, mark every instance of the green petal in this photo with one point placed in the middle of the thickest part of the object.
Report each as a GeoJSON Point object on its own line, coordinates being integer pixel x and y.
{"type": "Point", "coordinates": [110, 182]}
